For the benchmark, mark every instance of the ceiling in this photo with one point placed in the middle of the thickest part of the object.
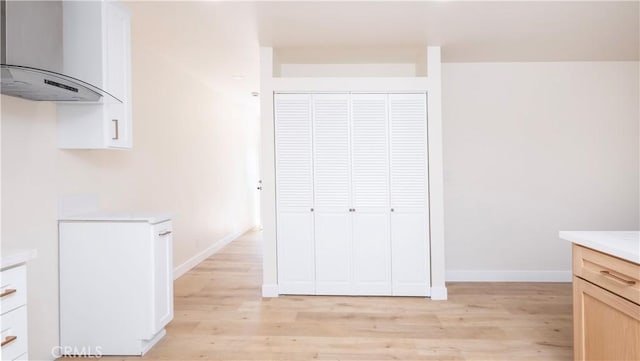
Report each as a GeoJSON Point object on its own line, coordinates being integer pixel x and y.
{"type": "Point", "coordinates": [220, 39]}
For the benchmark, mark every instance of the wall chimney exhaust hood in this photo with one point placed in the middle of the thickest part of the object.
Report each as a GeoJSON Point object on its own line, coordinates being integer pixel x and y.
{"type": "Point", "coordinates": [32, 62]}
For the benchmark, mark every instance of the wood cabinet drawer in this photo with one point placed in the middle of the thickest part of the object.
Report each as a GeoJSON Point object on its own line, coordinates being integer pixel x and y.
{"type": "Point", "coordinates": [14, 333]}
{"type": "Point", "coordinates": [13, 288]}
{"type": "Point", "coordinates": [614, 274]}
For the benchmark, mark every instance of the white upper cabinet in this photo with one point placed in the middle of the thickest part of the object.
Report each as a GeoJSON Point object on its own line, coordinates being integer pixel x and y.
{"type": "Point", "coordinates": [97, 50]}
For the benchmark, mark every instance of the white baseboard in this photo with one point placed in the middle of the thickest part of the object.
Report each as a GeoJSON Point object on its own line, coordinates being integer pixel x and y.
{"type": "Point", "coordinates": [439, 293]}
{"type": "Point", "coordinates": [211, 250]}
{"type": "Point", "coordinates": [508, 276]}
{"type": "Point", "coordinates": [270, 290]}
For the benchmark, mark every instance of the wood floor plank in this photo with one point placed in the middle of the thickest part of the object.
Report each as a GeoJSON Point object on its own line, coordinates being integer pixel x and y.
{"type": "Point", "coordinates": [220, 315]}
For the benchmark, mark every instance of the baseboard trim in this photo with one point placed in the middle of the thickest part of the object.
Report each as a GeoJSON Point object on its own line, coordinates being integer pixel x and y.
{"type": "Point", "coordinates": [208, 252]}
{"type": "Point", "coordinates": [439, 293]}
{"type": "Point", "coordinates": [270, 290]}
{"type": "Point", "coordinates": [508, 276]}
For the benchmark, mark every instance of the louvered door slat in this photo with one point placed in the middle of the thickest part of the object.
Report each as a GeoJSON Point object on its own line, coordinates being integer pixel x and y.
{"type": "Point", "coordinates": [370, 152]}
{"type": "Point", "coordinates": [408, 141]}
{"type": "Point", "coordinates": [294, 166]}
{"type": "Point", "coordinates": [331, 151]}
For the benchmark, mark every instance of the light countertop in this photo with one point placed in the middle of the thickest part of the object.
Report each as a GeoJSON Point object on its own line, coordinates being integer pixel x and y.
{"type": "Point", "coordinates": [621, 244]}
{"type": "Point", "coordinates": [16, 257]}
{"type": "Point", "coordinates": [152, 218]}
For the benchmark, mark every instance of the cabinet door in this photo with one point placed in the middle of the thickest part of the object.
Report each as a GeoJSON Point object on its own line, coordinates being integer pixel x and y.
{"type": "Point", "coordinates": [409, 192]}
{"type": "Point", "coordinates": [606, 326]}
{"type": "Point", "coordinates": [370, 184]}
{"type": "Point", "coordinates": [163, 275]}
{"type": "Point", "coordinates": [332, 194]}
{"type": "Point", "coordinates": [118, 74]}
{"type": "Point", "coordinates": [294, 194]}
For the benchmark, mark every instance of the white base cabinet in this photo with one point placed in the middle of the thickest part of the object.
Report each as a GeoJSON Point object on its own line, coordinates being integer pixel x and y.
{"type": "Point", "coordinates": [116, 286]}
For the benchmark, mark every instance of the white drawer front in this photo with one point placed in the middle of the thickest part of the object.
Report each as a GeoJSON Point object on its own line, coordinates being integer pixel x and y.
{"type": "Point", "coordinates": [14, 324]}
{"type": "Point", "coordinates": [13, 288]}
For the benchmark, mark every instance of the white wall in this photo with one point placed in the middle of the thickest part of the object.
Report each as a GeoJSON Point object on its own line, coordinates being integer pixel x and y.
{"type": "Point", "coordinates": [531, 149]}
{"type": "Point", "coordinates": [194, 154]}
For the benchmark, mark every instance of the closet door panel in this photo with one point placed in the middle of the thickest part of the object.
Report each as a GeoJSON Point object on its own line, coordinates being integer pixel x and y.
{"type": "Point", "coordinates": [409, 195]}
{"type": "Point", "coordinates": [372, 259]}
{"type": "Point", "coordinates": [294, 193]}
{"type": "Point", "coordinates": [370, 184]}
{"type": "Point", "coordinates": [332, 194]}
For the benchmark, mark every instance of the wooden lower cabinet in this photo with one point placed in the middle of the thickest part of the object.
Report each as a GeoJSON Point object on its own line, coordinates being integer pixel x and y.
{"type": "Point", "coordinates": [606, 325]}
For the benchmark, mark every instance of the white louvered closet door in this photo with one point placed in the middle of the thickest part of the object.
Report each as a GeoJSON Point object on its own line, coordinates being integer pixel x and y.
{"type": "Point", "coordinates": [332, 194]}
{"type": "Point", "coordinates": [294, 193]}
{"type": "Point", "coordinates": [409, 194]}
{"type": "Point", "coordinates": [370, 185]}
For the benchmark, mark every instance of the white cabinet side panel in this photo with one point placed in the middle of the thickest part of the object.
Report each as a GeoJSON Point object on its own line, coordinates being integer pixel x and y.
{"type": "Point", "coordinates": [106, 294]}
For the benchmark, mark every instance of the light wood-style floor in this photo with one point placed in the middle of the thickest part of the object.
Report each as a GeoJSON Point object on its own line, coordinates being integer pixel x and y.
{"type": "Point", "coordinates": [220, 315]}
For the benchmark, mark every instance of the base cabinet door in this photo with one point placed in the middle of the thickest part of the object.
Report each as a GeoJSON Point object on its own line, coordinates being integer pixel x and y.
{"type": "Point", "coordinates": [606, 326]}
{"type": "Point", "coordinates": [162, 275]}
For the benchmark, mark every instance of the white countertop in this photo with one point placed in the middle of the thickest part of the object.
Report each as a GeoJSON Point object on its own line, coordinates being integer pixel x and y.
{"type": "Point", "coordinates": [152, 218]}
{"type": "Point", "coordinates": [16, 257]}
{"type": "Point", "coordinates": [621, 244]}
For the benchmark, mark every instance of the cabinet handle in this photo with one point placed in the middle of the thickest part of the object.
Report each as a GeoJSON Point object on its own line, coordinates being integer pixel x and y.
{"type": "Point", "coordinates": [7, 340]}
{"type": "Point", "coordinates": [164, 233]}
{"type": "Point", "coordinates": [617, 278]}
{"type": "Point", "coordinates": [311, 209]}
{"type": "Point", "coordinates": [7, 292]}
{"type": "Point", "coordinates": [392, 210]}
{"type": "Point", "coordinates": [117, 132]}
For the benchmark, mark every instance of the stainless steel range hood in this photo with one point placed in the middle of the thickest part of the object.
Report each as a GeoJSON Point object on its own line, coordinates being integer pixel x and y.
{"type": "Point", "coordinates": [32, 63]}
